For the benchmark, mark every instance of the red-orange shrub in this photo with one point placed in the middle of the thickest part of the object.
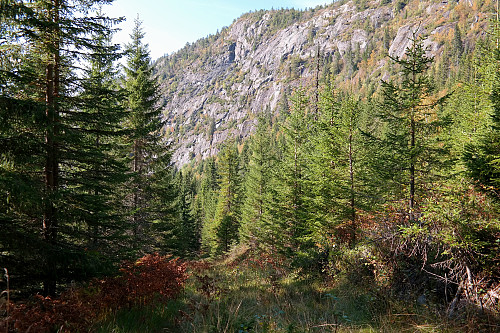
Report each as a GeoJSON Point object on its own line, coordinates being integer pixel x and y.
{"type": "Point", "coordinates": [153, 279]}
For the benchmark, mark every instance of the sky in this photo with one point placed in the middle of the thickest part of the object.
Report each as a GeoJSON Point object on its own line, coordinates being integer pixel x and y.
{"type": "Point", "coordinates": [170, 24]}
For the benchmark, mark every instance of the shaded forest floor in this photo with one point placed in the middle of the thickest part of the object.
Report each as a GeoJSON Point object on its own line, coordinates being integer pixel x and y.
{"type": "Point", "coordinates": [243, 293]}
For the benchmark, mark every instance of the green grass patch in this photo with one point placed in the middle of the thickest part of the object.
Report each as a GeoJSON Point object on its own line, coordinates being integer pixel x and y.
{"type": "Point", "coordinates": [251, 296]}
{"type": "Point", "coordinates": [161, 318]}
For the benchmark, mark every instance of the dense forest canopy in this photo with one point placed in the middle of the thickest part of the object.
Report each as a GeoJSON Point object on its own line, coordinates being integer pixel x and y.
{"type": "Point", "coordinates": [373, 165]}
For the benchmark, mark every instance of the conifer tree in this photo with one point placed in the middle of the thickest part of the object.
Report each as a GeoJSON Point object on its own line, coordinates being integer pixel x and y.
{"type": "Point", "coordinates": [338, 185]}
{"type": "Point", "coordinates": [209, 189]}
{"type": "Point", "coordinates": [457, 45]}
{"type": "Point", "coordinates": [54, 39]}
{"type": "Point", "coordinates": [227, 215]}
{"type": "Point", "coordinates": [293, 180]}
{"type": "Point", "coordinates": [470, 106]}
{"type": "Point", "coordinates": [151, 199]}
{"type": "Point", "coordinates": [257, 219]}
{"type": "Point", "coordinates": [325, 167]}
{"type": "Point", "coordinates": [482, 158]}
{"type": "Point", "coordinates": [184, 234]}
{"type": "Point", "coordinates": [409, 148]}
{"type": "Point", "coordinates": [99, 179]}
{"type": "Point", "coordinates": [22, 123]}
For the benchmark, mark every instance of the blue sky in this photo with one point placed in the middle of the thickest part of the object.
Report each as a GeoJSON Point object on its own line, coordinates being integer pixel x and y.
{"type": "Point", "coordinates": [170, 24]}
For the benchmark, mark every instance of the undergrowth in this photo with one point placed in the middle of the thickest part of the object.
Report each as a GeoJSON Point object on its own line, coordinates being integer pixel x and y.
{"type": "Point", "coordinates": [250, 292]}
{"type": "Point", "coordinates": [245, 292]}
{"type": "Point", "coordinates": [151, 281]}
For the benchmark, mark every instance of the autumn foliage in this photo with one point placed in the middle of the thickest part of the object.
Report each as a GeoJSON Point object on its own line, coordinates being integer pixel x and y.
{"type": "Point", "coordinates": [153, 279]}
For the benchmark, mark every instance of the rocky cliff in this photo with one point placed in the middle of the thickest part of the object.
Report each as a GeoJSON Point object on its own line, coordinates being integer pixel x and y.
{"type": "Point", "coordinates": [214, 88]}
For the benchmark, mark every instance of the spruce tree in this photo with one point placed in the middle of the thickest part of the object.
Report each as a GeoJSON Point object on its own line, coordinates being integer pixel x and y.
{"type": "Point", "coordinates": [410, 148]}
{"type": "Point", "coordinates": [293, 212]}
{"type": "Point", "coordinates": [338, 183]}
{"type": "Point", "coordinates": [99, 172]}
{"type": "Point", "coordinates": [209, 188]}
{"type": "Point", "coordinates": [326, 166]}
{"type": "Point", "coordinates": [257, 219]}
{"type": "Point", "coordinates": [470, 105]}
{"type": "Point", "coordinates": [227, 214]}
{"type": "Point", "coordinates": [184, 234]}
{"type": "Point", "coordinates": [54, 38]}
{"type": "Point", "coordinates": [151, 197]}
{"type": "Point", "coordinates": [457, 46]}
{"type": "Point", "coordinates": [22, 123]}
{"type": "Point", "coordinates": [208, 193]}
{"type": "Point", "coordinates": [482, 158]}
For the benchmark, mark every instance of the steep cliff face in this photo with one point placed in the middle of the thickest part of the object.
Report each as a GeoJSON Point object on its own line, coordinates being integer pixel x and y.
{"type": "Point", "coordinates": [214, 88]}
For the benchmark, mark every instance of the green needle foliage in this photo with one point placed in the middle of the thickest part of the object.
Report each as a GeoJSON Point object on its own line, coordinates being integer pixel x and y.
{"type": "Point", "coordinates": [151, 192]}
{"type": "Point", "coordinates": [227, 214]}
{"type": "Point", "coordinates": [293, 177]}
{"type": "Point", "coordinates": [101, 173]}
{"type": "Point", "coordinates": [409, 144]}
{"type": "Point", "coordinates": [483, 157]}
{"type": "Point", "coordinates": [257, 218]}
{"type": "Point", "coordinates": [50, 139]}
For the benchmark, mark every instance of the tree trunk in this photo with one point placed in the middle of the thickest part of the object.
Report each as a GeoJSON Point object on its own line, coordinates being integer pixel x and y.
{"type": "Point", "coordinates": [412, 152]}
{"type": "Point", "coordinates": [352, 198]}
{"type": "Point", "coordinates": [316, 92]}
{"type": "Point", "coordinates": [412, 169]}
{"type": "Point", "coordinates": [51, 171]}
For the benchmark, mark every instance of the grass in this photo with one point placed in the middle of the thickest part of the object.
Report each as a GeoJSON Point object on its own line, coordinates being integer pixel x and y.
{"type": "Point", "coordinates": [253, 295]}
{"type": "Point", "coordinates": [144, 319]}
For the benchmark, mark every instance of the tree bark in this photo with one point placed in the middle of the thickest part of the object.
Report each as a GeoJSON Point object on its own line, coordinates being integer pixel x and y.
{"type": "Point", "coordinates": [352, 197]}
{"type": "Point", "coordinates": [51, 171]}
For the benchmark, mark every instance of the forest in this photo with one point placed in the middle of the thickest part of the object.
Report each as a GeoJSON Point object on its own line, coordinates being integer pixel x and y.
{"type": "Point", "coordinates": [348, 209]}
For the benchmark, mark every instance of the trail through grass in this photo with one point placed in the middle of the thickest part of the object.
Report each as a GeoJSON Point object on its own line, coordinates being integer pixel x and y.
{"type": "Point", "coordinates": [259, 295]}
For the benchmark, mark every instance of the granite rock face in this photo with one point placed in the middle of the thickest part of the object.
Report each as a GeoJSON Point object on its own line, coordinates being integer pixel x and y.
{"type": "Point", "coordinates": [214, 88]}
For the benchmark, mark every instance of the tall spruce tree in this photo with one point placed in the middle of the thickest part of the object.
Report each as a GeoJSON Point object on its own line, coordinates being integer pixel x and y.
{"type": "Point", "coordinates": [338, 186]}
{"type": "Point", "coordinates": [257, 219]}
{"type": "Point", "coordinates": [482, 158]}
{"type": "Point", "coordinates": [184, 234]}
{"type": "Point", "coordinates": [410, 147]}
{"type": "Point", "coordinates": [102, 169]}
{"type": "Point", "coordinates": [325, 167]}
{"type": "Point", "coordinates": [209, 188]}
{"type": "Point", "coordinates": [292, 188]}
{"type": "Point", "coordinates": [22, 123]}
{"type": "Point", "coordinates": [208, 193]}
{"type": "Point", "coordinates": [227, 214]}
{"type": "Point", "coordinates": [50, 37]}
{"type": "Point", "coordinates": [151, 197]}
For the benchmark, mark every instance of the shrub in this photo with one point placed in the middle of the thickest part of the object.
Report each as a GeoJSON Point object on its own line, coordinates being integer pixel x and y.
{"type": "Point", "coordinates": [151, 280]}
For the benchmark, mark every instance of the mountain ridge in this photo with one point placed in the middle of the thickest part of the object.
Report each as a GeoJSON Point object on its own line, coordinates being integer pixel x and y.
{"type": "Point", "coordinates": [214, 88]}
